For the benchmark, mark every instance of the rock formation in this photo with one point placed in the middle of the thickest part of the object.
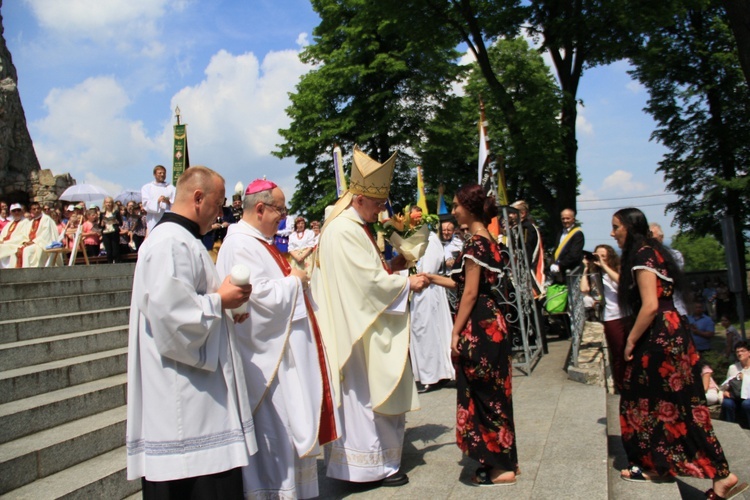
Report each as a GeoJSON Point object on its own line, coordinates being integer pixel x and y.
{"type": "Point", "coordinates": [21, 177]}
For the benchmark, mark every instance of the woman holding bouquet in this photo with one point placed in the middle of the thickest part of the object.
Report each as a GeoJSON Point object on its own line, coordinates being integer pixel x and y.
{"type": "Point", "coordinates": [665, 423]}
{"type": "Point", "coordinates": [480, 345]}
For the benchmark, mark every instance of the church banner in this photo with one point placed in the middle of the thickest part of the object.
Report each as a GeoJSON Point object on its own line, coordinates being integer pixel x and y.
{"type": "Point", "coordinates": [180, 158]}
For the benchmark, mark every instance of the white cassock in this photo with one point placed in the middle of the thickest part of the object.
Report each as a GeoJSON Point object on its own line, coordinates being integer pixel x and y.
{"type": "Point", "coordinates": [46, 233]}
{"type": "Point", "coordinates": [431, 323]}
{"type": "Point", "coordinates": [365, 326]}
{"type": "Point", "coordinates": [150, 194]}
{"type": "Point", "coordinates": [282, 371]}
{"type": "Point", "coordinates": [13, 235]}
{"type": "Point", "coordinates": [188, 410]}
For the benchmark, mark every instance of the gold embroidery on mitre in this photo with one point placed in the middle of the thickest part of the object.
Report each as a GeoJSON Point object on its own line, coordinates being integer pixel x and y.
{"type": "Point", "coordinates": [369, 177]}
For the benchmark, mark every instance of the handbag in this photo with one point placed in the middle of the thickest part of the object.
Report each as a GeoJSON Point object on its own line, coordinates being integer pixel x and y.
{"type": "Point", "coordinates": [557, 298]}
{"type": "Point", "coordinates": [734, 387]}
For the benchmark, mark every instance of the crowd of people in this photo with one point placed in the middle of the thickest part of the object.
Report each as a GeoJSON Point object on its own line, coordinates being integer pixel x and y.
{"type": "Point", "coordinates": [235, 384]}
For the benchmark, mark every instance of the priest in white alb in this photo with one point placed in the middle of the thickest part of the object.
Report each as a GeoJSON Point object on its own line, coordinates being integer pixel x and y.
{"type": "Point", "coordinates": [431, 322]}
{"type": "Point", "coordinates": [364, 318]}
{"type": "Point", "coordinates": [13, 236]}
{"type": "Point", "coordinates": [190, 427]}
{"type": "Point", "coordinates": [286, 373]}
{"type": "Point", "coordinates": [42, 232]}
{"type": "Point", "coordinates": [157, 197]}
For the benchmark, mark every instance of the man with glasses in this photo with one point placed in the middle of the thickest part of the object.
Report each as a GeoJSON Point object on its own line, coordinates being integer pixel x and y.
{"type": "Point", "coordinates": [739, 372]}
{"type": "Point", "coordinates": [363, 317]}
{"type": "Point", "coordinates": [13, 235]}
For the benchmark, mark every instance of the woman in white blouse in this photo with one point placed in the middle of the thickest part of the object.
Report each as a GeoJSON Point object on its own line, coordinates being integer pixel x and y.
{"type": "Point", "coordinates": [301, 246]}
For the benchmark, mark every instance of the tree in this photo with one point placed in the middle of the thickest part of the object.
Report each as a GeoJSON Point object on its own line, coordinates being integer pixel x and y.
{"type": "Point", "coordinates": [452, 136]}
{"type": "Point", "coordinates": [701, 253]}
{"type": "Point", "coordinates": [700, 101]}
{"type": "Point", "coordinates": [375, 85]}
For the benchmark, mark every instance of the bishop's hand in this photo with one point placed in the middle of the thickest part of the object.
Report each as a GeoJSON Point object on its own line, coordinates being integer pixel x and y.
{"type": "Point", "coordinates": [418, 282]}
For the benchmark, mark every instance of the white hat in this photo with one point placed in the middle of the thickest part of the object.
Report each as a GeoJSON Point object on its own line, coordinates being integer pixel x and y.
{"type": "Point", "coordinates": [70, 208]}
{"type": "Point", "coordinates": [16, 206]}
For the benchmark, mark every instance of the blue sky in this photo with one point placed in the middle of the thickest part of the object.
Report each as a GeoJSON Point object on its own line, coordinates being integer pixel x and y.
{"type": "Point", "coordinates": [99, 80]}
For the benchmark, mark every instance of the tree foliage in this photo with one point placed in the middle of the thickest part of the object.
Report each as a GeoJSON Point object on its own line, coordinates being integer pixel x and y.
{"type": "Point", "coordinates": [375, 85]}
{"type": "Point", "coordinates": [700, 101]}
{"type": "Point", "coordinates": [701, 253]}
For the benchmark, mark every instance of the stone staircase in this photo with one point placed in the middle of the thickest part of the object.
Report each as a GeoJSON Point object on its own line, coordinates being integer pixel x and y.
{"type": "Point", "coordinates": [63, 357]}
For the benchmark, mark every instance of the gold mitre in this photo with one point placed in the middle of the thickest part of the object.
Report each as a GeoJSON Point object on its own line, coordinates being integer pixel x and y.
{"type": "Point", "coordinates": [370, 178]}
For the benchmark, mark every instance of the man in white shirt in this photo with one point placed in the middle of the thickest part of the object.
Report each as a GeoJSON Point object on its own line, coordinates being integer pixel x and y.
{"type": "Point", "coordinates": [285, 369]}
{"type": "Point", "coordinates": [452, 242]}
{"type": "Point", "coordinates": [739, 371]}
{"type": "Point", "coordinates": [157, 197]}
{"type": "Point", "coordinates": [189, 426]}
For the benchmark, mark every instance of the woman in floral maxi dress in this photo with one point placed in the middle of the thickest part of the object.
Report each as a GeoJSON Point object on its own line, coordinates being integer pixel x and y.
{"type": "Point", "coordinates": [481, 346]}
{"type": "Point", "coordinates": [665, 422]}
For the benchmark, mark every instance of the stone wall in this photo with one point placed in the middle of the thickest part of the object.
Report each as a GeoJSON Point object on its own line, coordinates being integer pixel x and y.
{"type": "Point", "coordinates": [21, 177]}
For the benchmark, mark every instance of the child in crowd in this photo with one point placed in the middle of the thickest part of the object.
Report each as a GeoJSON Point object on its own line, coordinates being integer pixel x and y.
{"type": "Point", "coordinates": [92, 233]}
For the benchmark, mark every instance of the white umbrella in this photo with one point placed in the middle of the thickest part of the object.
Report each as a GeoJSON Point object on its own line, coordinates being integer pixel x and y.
{"type": "Point", "coordinates": [84, 192]}
{"type": "Point", "coordinates": [129, 195]}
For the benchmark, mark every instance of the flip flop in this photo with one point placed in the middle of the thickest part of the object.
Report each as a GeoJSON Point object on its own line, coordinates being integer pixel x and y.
{"type": "Point", "coordinates": [635, 474]}
{"type": "Point", "coordinates": [733, 492]}
{"type": "Point", "coordinates": [482, 478]}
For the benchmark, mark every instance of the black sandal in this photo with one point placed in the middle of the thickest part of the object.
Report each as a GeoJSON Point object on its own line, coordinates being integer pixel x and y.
{"type": "Point", "coordinates": [635, 474]}
{"type": "Point", "coordinates": [733, 492]}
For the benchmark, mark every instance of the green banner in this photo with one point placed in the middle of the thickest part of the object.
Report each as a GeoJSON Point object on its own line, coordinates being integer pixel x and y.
{"type": "Point", "coordinates": [180, 161]}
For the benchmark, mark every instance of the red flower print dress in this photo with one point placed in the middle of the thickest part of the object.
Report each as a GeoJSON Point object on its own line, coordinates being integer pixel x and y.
{"type": "Point", "coordinates": [664, 418]}
{"type": "Point", "coordinates": [484, 420]}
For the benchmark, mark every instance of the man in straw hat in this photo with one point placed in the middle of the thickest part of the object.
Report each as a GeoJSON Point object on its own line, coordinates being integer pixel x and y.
{"type": "Point", "coordinates": [363, 317]}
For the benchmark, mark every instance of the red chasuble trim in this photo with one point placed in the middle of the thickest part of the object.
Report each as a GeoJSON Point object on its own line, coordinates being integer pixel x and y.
{"type": "Point", "coordinates": [327, 431]}
{"type": "Point", "coordinates": [32, 235]}
{"type": "Point", "coordinates": [10, 231]}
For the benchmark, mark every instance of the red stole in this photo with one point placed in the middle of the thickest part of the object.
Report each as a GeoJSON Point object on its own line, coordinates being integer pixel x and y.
{"type": "Point", "coordinates": [327, 431]}
{"type": "Point", "coordinates": [10, 230]}
{"type": "Point", "coordinates": [32, 235]}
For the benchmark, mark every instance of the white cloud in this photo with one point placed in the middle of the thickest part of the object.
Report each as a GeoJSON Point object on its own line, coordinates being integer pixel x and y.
{"type": "Point", "coordinates": [583, 126]}
{"type": "Point", "coordinates": [235, 112]}
{"type": "Point", "coordinates": [623, 181]}
{"type": "Point", "coordinates": [302, 40]}
{"type": "Point", "coordinates": [635, 87]}
{"type": "Point", "coordinates": [113, 188]}
{"type": "Point", "coordinates": [99, 18]}
{"type": "Point", "coordinates": [86, 130]}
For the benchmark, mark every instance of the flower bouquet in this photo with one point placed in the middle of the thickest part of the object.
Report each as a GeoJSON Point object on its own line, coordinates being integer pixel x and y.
{"type": "Point", "coordinates": [409, 236]}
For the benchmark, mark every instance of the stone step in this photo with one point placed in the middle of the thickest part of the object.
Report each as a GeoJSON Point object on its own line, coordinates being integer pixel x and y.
{"type": "Point", "coordinates": [33, 457]}
{"type": "Point", "coordinates": [45, 411]}
{"type": "Point", "coordinates": [101, 477]}
{"type": "Point", "coordinates": [39, 289]}
{"type": "Point", "coordinates": [65, 273]}
{"type": "Point", "coordinates": [56, 324]}
{"type": "Point", "coordinates": [736, 442]}
{"type": "Point", "coordinates": [45, 350]}
{"type": "Point", "coordinates": [48, 305]}
{"type": "Point", "coordinates": [37, 379]}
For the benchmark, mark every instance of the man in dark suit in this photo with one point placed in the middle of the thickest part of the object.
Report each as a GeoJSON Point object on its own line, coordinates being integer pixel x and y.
{"type": "Point", "coordinates": [569, 251]}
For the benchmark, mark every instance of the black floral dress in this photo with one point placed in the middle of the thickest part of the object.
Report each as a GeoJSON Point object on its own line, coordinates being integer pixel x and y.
{"type": "Point", "coordinates": [484, 419]}
{"type": "Point", "coordinates": [664, 418]}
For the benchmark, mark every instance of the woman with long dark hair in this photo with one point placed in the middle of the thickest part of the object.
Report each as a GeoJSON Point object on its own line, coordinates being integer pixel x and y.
{"type": "Point", "coordinates": [665, 422]}
{"type": "Point", "coordinates": [480, 345]}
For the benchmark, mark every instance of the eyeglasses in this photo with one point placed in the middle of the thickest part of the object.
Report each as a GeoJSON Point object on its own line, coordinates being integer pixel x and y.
{"type": "Point", "coordinates": [379, 203]}
{"type": "Point", "coordinates": [282, 211]}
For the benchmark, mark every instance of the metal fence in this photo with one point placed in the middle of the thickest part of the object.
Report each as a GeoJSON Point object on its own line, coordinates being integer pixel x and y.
{"type": "Point", "coordinates": [576, 311]}
{"type": "Point", "coordinates": [516, 297]}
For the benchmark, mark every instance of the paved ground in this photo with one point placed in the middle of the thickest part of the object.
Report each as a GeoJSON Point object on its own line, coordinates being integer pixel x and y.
{"type": "Point", "coordinates": [560, 426]}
